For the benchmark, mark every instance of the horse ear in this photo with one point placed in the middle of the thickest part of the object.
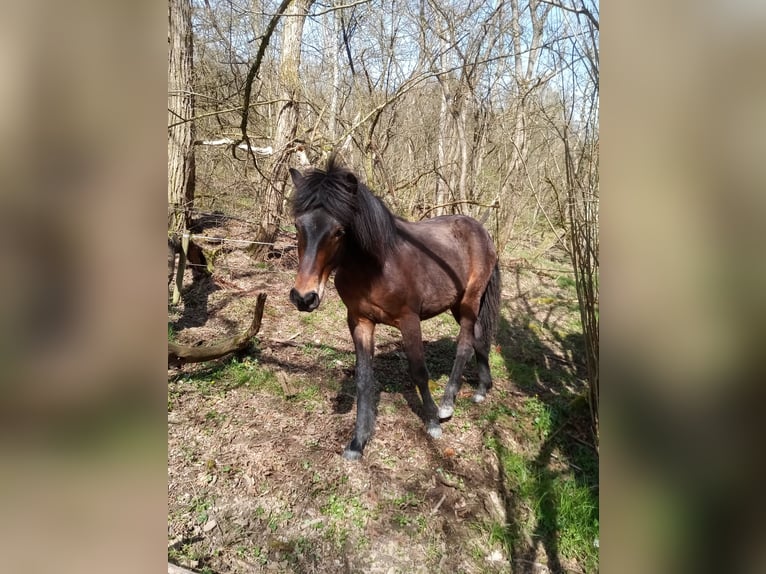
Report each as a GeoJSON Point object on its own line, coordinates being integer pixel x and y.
{"type": "Point", "coordinates": [296, 176]}
{"type": "Point", "coordinates": [352, 182]}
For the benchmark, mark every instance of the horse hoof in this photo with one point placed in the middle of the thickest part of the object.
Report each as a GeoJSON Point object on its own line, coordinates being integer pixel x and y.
{"type": "Point", "coordinates": [434, 430]}
{"type": "Point", "coordinates": [446, 412]}
{"type": "Point", "coordinates": [479, 398]}
{"type": "Point", "coordinates": [352, 455]}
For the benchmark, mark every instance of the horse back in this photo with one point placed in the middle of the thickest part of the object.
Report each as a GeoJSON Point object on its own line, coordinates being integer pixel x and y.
{"type": "Point", "coordinates": [452, 243]}
{"type": "Point", "coordinates": [434, 264]}
{"type": "Point", "coordinates": [442, 257]}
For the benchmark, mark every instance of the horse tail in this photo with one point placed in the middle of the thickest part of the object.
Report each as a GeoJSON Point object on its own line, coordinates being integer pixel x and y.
{"type": "Point", "coordinates": [489, 309]}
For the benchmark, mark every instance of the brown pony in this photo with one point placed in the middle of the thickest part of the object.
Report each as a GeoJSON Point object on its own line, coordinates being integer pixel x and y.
{"type": "Point", "coordinates": [395, 272]}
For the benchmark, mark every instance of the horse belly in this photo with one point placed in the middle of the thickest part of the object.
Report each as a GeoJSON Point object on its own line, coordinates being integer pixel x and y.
{"type": "Point", "coordinates": [437, 293]}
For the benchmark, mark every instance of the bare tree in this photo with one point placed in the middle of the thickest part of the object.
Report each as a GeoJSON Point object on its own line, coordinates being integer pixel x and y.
{"type": "Point", "coordinates": [181, 166]}
{"type": "Point", "coordinates": [575, 125]}
{"type": "Point", "coordinates": [288, 117]}
{"type": "Point", "coordinates": [180, 112]}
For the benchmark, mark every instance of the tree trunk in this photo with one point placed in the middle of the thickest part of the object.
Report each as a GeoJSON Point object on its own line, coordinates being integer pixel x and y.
{"type": "Point", "coordinates": [180, 107]}
{"type": "Point", "coordinates": [332, 119]}
{"type": "Point", "coordinates": [287, 121]}
{"type": "Point", "coordinates": [181, 174]}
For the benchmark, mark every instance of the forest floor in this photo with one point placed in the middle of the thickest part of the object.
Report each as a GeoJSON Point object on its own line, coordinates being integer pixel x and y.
{"type": "Point", "coordinates": [256, 482]}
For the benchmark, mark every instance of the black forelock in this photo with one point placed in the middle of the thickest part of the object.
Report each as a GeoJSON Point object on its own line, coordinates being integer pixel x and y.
{"type": "Point", "coordinates": [328, 189]}
{"type": "Point", "coordinates": [337, 190]}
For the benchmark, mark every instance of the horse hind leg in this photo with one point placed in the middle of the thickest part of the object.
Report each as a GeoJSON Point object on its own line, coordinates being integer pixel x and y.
{"type": "Point", "coordinates": [477, 316]}
{"type": "Point", "coordinates": [413, 346]}
{"type": "Point", "coordinates": [484, 331]}
{"type": "Point", "coordinates": [482, 346]}
{"type": "Point", "coordinates": [468, 344]}
{"type": "Point", "coordinates": [465, 348]}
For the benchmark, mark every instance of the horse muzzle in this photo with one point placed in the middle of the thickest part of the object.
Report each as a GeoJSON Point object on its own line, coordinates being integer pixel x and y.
{"type": "Point", "coordinates": [304, 302]}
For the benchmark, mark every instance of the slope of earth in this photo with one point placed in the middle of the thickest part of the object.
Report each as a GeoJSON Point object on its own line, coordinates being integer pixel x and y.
{"type": "Point", "coordinates": [256, 482]}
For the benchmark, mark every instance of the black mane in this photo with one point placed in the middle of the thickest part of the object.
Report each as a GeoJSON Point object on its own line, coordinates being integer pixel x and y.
{"type": "Point", "coordinates": [368, 222]}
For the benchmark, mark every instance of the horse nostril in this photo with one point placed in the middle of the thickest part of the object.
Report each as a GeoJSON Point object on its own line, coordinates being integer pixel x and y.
{"type": "Point", "coordinates": [307, 302]}
{"type": "Point", "coordinates": [312, 300]}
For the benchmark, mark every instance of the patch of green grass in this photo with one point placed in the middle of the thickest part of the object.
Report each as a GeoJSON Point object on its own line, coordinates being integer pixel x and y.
{"type": "Point", "coordinates": [341, 508]}
{"type": "Point", "coordinates": [252, 554]}
{"type": "Point", "coordinates": [497, 364]}
{"type": "Point", "coordinates": [405, 514]}
{"type": "Point", "coordinates": [406, 500]}
{"type": "Point", "coordinates": [173, 395]}
{"type": "Point", "coordinates": [577, 521]}
{"type": "Point", "coordinates": [310, 395]}
{"type": "Point", "coordinates": [443, 325]}
{"type": "Point", "coordinates": [345, 514]}
{"type": "Point", "coordinates": [554, 507]}
{"type": "Point", "coordinates": [331, 309]}
{"type": "Point", "coordinates": [186, 554]}
{"type": "Point", "coordinates": [329, 357]}
{"type": "Point", "coordinates": [214, 416]}
{"type": "Point", "coordinates": [309, 319]}
{"type": "Point", "coordinates": [279, 519]}
{"type": "Point", "coordinates": [539, 414]}
{"type": "Point", "coordinates": [199, 507]}
{"type": "Point", "coordinates": [387, 409]}
{"type": "Point", "coordinates": [498, 410]}
{"type": "Point", "coordinates": [232, 375]}
{"type": "Point", "coordinates": [522, 375]}
{"type": "Point", "coordinates": [566, 282]}
{"type": "Point", "coordinates": [171, 332]}
{"type": "Point", "coordinates": [299, 547]}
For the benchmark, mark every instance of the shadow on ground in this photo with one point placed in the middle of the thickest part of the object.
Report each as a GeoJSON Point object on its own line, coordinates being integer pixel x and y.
{"type": "Point", "coordinates": [411, 482]}
{"type": "Point", "coordinates": [537, 370]}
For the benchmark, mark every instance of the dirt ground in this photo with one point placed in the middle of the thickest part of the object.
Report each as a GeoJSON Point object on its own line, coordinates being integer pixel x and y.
{"type": "Point", "coordinates": [256, 482]}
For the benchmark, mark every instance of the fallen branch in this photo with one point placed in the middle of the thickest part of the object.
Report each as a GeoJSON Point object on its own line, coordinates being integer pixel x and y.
{"type": "Point", "coordinates": [266, 151]}
{"type": "Point", "coordinates": [287, 386]}
{"type": "Point", "coordinates": [180, 354]}
{"type": "Point", "coordinates": [173, 569]}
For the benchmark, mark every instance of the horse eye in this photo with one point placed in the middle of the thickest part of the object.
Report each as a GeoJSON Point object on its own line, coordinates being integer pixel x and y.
{"type": "Point", "coordinates": [339, 233]}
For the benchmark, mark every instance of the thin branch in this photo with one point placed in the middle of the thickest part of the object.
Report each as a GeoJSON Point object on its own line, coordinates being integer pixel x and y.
{"type": "Point", "coordinates": [413, 182]}
{"type": "Point", "coordinates": [265, 151]}
{"type": "Point", "coordinates": [253, 73]}
{"type": "Point", "coordinates": [337, 8]}
{"type": "Point", "coordinates": [587, 13]}
{"type": "Point", "coordinates": [537, 199]}
{"type": "Point", "coordinates": [227, 110]}
{"type": "Point", "coordinates": [406, 87]}
{"type": "Point", "coordinates": [494, 205]}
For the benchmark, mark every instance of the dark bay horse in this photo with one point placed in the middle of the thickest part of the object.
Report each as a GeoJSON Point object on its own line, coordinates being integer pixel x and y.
{"type": "Point", "coordinates": [392, 271]}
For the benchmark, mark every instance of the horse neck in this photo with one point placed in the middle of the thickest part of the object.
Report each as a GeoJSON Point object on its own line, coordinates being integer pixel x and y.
{"type": "Point", "coordinates": [375, 227]}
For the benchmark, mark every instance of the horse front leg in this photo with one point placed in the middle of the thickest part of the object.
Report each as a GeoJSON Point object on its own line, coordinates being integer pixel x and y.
{"type": "Point", "coordinates": [363, 334]}
{"type": "Point", "coordinates": [413, 347]}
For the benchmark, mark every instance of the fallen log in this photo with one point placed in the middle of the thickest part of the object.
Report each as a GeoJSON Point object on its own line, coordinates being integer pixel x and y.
{"type": "Point", "coordinates": [180, 354]}
{"type": "Point", "coordinates": [173, 569]}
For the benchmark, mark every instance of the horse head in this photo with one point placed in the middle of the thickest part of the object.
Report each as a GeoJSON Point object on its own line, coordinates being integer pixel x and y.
{"type": "Point", "coordinates": [323, 209]}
